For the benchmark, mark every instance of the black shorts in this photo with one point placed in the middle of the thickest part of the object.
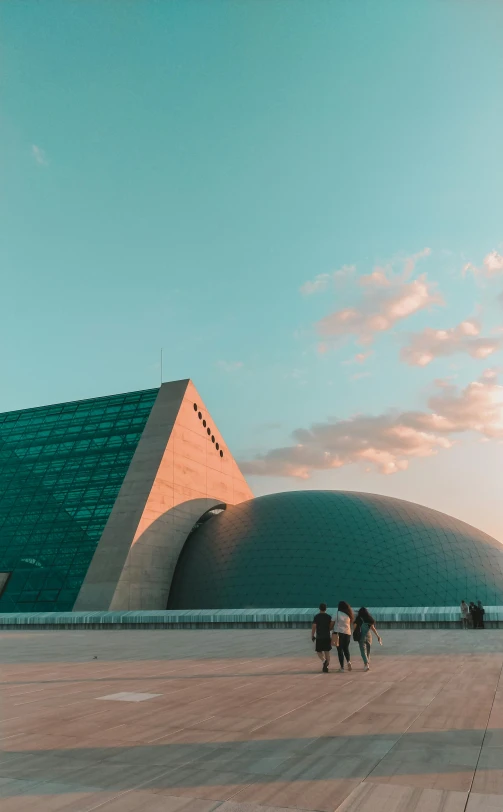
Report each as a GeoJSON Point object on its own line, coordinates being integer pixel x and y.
{"type": "Point", "coordinates": [323, 644]}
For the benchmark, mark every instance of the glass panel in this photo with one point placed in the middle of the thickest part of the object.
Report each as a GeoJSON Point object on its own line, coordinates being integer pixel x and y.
{"type": "Point", "coordinates": [61, 469]}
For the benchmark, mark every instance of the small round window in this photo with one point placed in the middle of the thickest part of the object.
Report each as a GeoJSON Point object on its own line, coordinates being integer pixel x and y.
{"type": "Point", "coordinates": [212, 438]}
{"type": "Point", "coordinates": [204, 423]}
{"type": "Point", "coordinates": [199, 415]}
{"type": "Point", "coordinates": [217, 446]}
{"type": "Point", "coordinates": [195, 407]}
{"type": "Point", "coordinates": [221, 453]}
{"type": "Point", "coordinates": [208, 431]}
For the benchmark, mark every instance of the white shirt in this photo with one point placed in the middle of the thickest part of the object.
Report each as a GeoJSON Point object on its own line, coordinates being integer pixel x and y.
{"type": "Point", "coordinates": [342, 623]}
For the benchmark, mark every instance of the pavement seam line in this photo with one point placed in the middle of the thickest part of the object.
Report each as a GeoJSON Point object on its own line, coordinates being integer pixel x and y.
{"type": "Point", "coordinates": [483, 737]}
{"type": "Point", "coordinates": [401, 736]}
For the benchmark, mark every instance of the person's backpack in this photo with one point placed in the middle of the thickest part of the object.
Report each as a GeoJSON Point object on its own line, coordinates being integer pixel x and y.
{"type": "Point", "coordinates": [357, 632]}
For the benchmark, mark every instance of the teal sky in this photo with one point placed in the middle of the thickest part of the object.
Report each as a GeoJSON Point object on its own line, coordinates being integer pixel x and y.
{"type": "Point", "coordinates": [174, 173]}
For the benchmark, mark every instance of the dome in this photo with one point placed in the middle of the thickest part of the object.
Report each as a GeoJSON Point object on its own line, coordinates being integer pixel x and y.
{"type": "Point", "coordinates": [298, 548]}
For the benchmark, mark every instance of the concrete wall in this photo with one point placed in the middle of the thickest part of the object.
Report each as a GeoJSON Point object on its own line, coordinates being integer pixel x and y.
{"type": "Point", "coordinates": [176, 475]}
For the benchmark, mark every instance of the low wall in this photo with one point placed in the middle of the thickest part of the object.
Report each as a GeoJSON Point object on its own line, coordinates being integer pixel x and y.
{"type": "Point", "coordinates": [409, 617]}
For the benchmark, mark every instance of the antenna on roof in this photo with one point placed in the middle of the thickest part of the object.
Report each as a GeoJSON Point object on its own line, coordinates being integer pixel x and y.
{"type": "Point", "coordinates": [161, 366]}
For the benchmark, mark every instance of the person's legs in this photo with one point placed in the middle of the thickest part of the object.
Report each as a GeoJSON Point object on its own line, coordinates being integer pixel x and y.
{"type": "Point", "coordinates": [340, 653]}
{"type": "Point", "coordinates": [368, 645]}
{"type": "Point", "coordinates": [345, 647]}
{"type": "Point", "coordinates": [363, 651]}
{"type": "Point", "coordinates": [323, 652]}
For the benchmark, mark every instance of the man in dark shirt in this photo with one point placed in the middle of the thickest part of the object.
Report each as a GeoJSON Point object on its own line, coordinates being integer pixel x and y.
{"type": "Point", "coordinates": [321, 633]}
{"type": "Point", "coordinates": [480, 615]}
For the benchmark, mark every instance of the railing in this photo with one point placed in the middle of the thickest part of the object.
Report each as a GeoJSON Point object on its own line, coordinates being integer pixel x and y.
{"type": "Point", "coordinates": [386, 617]}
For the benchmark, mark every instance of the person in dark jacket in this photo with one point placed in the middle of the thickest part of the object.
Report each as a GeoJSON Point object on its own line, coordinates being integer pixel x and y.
{"type": "Point", "coordinates": [480, 614]}
{"type": "Point", "coordinates": [320, 634]}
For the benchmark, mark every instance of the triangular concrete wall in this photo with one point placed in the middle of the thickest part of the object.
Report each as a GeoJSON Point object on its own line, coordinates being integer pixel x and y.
{"type": "Point", "coordinates": [175, 476]}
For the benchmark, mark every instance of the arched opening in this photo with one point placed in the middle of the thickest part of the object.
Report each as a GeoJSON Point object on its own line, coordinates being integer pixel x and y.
{"type": "Point", "coordinates": [206, 517]}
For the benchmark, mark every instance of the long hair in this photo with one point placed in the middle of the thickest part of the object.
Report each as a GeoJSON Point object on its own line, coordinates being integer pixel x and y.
{"type": "Point", "coordinates": [346, 608]}
{"type": "Point", "coordinates": [365, 616]}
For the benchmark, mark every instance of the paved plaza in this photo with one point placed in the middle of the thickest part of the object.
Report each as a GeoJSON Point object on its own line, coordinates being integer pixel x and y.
{"type": "Point", "coordinates": [244, 721]}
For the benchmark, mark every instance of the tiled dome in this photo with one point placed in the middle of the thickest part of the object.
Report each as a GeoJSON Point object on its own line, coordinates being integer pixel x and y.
{"type": "Point", "coordinates": [298, 548]}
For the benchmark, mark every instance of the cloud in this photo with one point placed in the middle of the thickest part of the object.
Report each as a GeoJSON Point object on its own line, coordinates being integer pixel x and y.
{"type": "Point", "coordinates": [470, 268]}
{"type": "Point", "coordinates": [377, 279]}
{"type": "Point", "coordinates": [492, 265]}
{"type": "Point", "coordinates": [39, 155]}
{"type": "Point", "coordinates": [323, 280]}
{"type": "Point", "coordinates": [361, 357]}
{"type": "Point", "coordinates": [386, 300]}
{"type": "Point", "coordinates": [410, 262]}
{"type": "Point", "coordinates": [388, 442]}
{"type": "Point", "coordinates": [424, 347]}
{"type": "Point", "coordinates": [230, 366]}
{"type": "Point", "coordinates": [319, 283]}
{"type": "Point", "coordinates": [477, 408]}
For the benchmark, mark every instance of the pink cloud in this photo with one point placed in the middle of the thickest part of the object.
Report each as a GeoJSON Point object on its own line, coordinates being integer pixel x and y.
{"type": "Point", "coordinates": [359, 358]}
{"type": "Point", "coordinates": [410, 262]}
{"type": "Point", "coordinates": [377, 279]}
{"type": "Point", "coordinates": [381, 307]}
{"type": "Point", "coordinates": [492, 265]}
{"type": "Point", "coordinates": [388, 442]}
{"type": "Point", "coordinates": [465, 338]}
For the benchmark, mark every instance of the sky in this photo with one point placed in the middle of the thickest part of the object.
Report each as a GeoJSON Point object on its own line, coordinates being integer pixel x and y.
{"type": "Point", "coordinates": [301, 203]}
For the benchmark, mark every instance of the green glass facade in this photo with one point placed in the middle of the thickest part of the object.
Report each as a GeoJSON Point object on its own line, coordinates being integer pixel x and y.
{"type": "Point", "coordinates": [61, 469]}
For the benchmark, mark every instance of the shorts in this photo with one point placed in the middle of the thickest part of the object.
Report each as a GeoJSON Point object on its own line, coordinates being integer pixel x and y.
{"type": "Point", "coordinates": [323, 644]}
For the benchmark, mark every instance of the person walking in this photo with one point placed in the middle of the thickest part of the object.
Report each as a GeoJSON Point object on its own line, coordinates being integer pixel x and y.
{"type": "Point", "coordinates": [320, 633]}
{"type": "Point", "coordinates": [473, 614]}
{"type": "Point", "coordinates": [341, 635]}
{"type": "Point", "coordinates": [465, 614]}
{"type": "Point", "coordinates": [480, 615]}
{"type": "Point", "coordinates": [364, 628]}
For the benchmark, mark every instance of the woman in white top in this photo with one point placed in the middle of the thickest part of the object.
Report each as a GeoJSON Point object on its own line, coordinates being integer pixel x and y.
{"type": "Point", "coordinates": [342, 632]}
{"type": "Point", "coordinates": [465, 614]}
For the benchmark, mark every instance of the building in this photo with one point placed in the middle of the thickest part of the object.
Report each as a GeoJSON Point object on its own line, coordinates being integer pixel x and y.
{"type": "Point", "coordinates": [98, 496]}
{"type": "Point", "coordinates": [298, 548]}
{"type": "Point", "coordinates": [134, 502]}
